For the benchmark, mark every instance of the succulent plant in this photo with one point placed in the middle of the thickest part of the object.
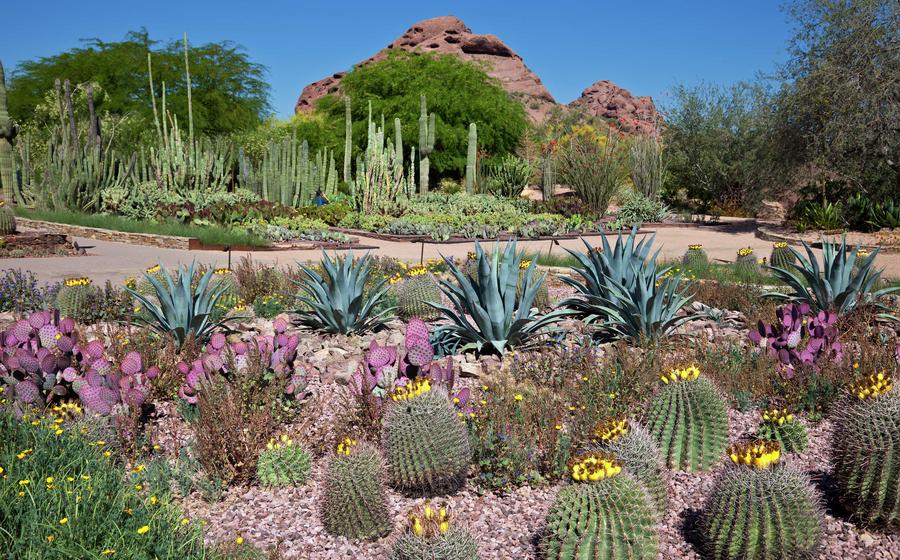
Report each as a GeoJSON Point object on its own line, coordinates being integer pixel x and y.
{"type": "Point", "coordinates": [354, 504]}
{"type": "Point", "coordinates": [415, 293]}
{"type": "Point", "coordinates": [74, 297]}
{"type": "Point", "coordinates": [7, 219]}
{"type": "Point", "coordinates": [798, 338]}
{"type": "Point", "coordinates": [689, 420]}
{"type": "Point", "coordinates": [541, 297]}
{"type": "Point", "coordinates": [761, 509]}
{"type": "Point", "coordinates": [865, 452]}
{"type": "Point", "coordinates": [778, 425]}
{"type": "Point", "coordinates": [695, 257]}
{"type": "Point", "coordinates": [746, 263]}
{"type": "Point", "coordinates": [282, 463]}
{"type": "Point", "coordinates": [105, 390]}
{"type": "Point", "coordinates": [782, 256]}
{"type": "Point", "coordinates": [606, 514]}
{"type": "Point", "coordinates": [632, 444]}
{"type": "Point", "coordinates": [432, 535]}
{"type": "Point", "coordinates": [338, 302]}
{"type": "Point", "coordinates": [426, 444]}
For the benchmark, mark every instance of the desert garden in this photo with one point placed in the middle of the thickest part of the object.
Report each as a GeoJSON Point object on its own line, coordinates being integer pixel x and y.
{"type": "Point", "coordinates": [449, 319]}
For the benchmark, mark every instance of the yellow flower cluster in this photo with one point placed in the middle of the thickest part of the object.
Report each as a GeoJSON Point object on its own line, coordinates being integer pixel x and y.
{"type": "Point", "coordinates": [82, 281]}
{"type": "Point", "coordinates": [222, 271]}
{"type": "Point", "coordinates": [346, 445]}
{"type": "Point", "coordinates": [745, 251]}
{"type": "Point", "coordinates": [595, 466]}
{"type": "Point", "coordinates": [153, 269]}
{"type": "Point", "coordinates": [689, 373]}
{"type": "Point", "coordinates": [524, 264]}
{"type": "Point", "coordinates": [471, 255]}
{"type": "Point", "coordinates": [427, 521]}
{"type": "Point", "coordinates": [780, 244]}
{"type": "Point", "coordinates": [67, 409]}
{"type": "Point", "coordinates": [757, 454]}
{"type": "Point", "coordinates": [863, 253]}
{"type": "Point", "coordinates": [131, 282]}
{"type": "Point", "coordinates": [611, 429]}
{"type": "Point", "coordinates": [777, 416]}
{"type": "Point", "coordinates": [411, 390]}
{"type": "Point", "coordinates": [283, 441]}
{"type": "Point", "coordinates": [873, 386]}
{"type": "Point", "coordinates": [695, 247]}
{"type": "Point", "coordinates": [417, 270]}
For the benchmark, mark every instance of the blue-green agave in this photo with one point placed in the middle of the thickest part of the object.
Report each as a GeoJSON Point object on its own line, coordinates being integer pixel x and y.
{"type": "Point", "coordinates": [845, 281]}
{"type": "Point", "coordinates": [181, 308]}
{"type": "Point", "coordinates": [486, 315]}
{"type": "Point", "coordinates": [338, 303]}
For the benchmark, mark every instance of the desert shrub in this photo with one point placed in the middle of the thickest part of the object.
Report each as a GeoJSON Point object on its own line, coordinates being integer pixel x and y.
{"type": "Point", "coordinates": [648, 166]}
{"type": "Point", "coordinates": [735, 297]}
{"type": "Point", "coordinates": [637, 208]}
{"type": "Point", "coordinates": [21, 293]}
{"type": "Point", "coordinates": [594, 165]}
{"type": "Point", "coordinates": [256, 280]}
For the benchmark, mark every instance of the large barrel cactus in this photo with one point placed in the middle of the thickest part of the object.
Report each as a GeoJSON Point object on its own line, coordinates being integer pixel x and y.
{"type": "Point", "coordinates": [695, 257]}
{"type": "Point", "coordinates": [426, 444]}
{"type": "Point", "coordinates": [760, 509]}
{"type": "Point", "coordinates": [431, 535]}
{"type": "Point", "coordinates": [415, 293]}
{"type": "Point", "coordinates": [633, 445]}
{"type": "Point", "coordinates": [689, 420]}
{"type": "Point", "coordinates": [74, 296]}
{"type": "Point", "coordinates": [7, 219]}
{"type": "Point", "coordinates": [782, 255]}
{"type": "Point", "coordinates": [282, 463]}
{"type": "Point", "coordinates": [779, 425]}
{"type": "Point", "coordinates": [865, 452]}
{"type": "Point", "coordinates": [606, 514]}
{"type": "Point", "coordinates": [354, 504]}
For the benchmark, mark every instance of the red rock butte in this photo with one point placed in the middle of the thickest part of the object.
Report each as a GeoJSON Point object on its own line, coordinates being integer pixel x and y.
{"type": "Point", "coordinates": [449, 35]}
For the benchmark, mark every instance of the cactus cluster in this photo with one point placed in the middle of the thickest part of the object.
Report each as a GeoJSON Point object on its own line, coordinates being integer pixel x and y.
{"type": "Point", "coordinates": [415, 294]}
{"type": "Point", "coordinates": [606, 514]}
{"type": "Point", "coordinates": [865, 452]}
{"type": "Point", "coordinates": [431, 535]}
{"type": "Point", "coordinates": [778, 425]}
{"type": "Point", "coordinates": [7, 218]}
{"type": "Point", "coordinates": [426, 142]}
{"type": "Point", "coordinates": [689, 420]}
{"type": "Point", "coordinates": [695, 257]}
{"type": "Point", "coordinates": [354, 504]}
{"type": "Point", "coordinates": [426, 444]}
{"type": "Point", "coordinates": [633, 445]}
{"type": "Point", "coordinates": [746, 263]}
{"type": "Point", "coordinates": [282, 463]}
{"type": "Point", "coordinates": [74, 297]}
{"type": "Point", "coordinates": [760, 508]}
{"type": "Point", "coordinates": [782, 256]}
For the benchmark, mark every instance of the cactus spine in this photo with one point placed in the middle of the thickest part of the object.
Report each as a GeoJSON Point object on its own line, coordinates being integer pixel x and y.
{"type": "Point", "coordinates": [471, 159]}
{"type": "Point", "coordinates": [426, 143]}
{"type": "Point", "coordinates": [348, 140]}
{"type": "Point", "coordinates": [354, 504]}
{"type": "Point", "coordinates": [779, 426]}
{"type": "Point", "coordinates": [7, 135]}
{"type": "Point", "coordinates": [689, 420]}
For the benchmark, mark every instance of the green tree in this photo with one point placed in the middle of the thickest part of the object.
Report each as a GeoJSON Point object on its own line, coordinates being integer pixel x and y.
{"type": "Point", "coordinates": [458, 93]}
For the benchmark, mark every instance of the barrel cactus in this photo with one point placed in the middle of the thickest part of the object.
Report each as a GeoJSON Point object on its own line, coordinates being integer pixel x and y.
{"type": "Point", "coordinates": [74, 296]}
{"type": "Point", "coordinates": [426, 444]}
{"type": "Point", "coordinates": [865, 452]}
{"type": "Point", "coordinates": [760, 508]}
{"type": "Point", "coordinates": [431, 535]}
{"type": "Point", "coordinates": [782, 255]}
{"type": "Point", "coordinates": [415, 293]}
{"type": "Point", "coordinates": [7, 219]}
{"type": "Point", "coordinates": [633, 445]}
{"type": "Point", "coordinates": [779, 425]}
{"type": "Point", "coordinates": [282, 463]}
{"type": "Point", "coordinates": [746, 263]}
{"type": "Point", "coordinates": [695, 257]}
{"type": "Point", "coordinates": [689, 420]}
{"type": "Point", "coordinates": [605, 514]}
{"type": "Point", "coordinates": [354, 504]}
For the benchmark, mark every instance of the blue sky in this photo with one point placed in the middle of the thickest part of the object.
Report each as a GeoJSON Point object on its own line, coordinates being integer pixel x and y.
{"type": "Point", "coordinates": [646, 47]}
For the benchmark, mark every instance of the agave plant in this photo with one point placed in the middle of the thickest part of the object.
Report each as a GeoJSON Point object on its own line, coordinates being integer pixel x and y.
{"type": "Point", "coordinates": [845, 281]}
{"type": "Point", "coordinates": [182, 308]}
{"type": "Point", "coordinates": [338, 302]}
{"type": "Point", "coordinates": [487, 315]}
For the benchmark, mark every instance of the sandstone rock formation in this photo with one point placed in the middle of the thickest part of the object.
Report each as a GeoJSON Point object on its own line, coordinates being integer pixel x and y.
{"type": "Point", "coordinates": [606, 99]}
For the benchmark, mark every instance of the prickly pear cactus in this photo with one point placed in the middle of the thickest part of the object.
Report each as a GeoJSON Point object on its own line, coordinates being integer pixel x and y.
{"type": "Point", "coordinates": [431, 535]}
{"type": "Point", "coordinates": [633, 445]}
{"type": "Point", "coordinates": [782, 256]}
{"type": "Point", "coordinates": [74, 297]}
{"type": "Point", "coordinates": [760, 509]}
{"type": "Point", "coordinates": [778, 425]}
{"type": "Point", "coordinates": [7, 219]}
{"type": "Point", "coordinates": [425, 442]}
{"type": "Point", "coordinates": [415, 293]}
{"type": "Point", "coordinates": [689, 420]}
{"type": "Point", "coordinates": [865, 452]}
{"type": "Point", "coordinates": [606, 514]}
{"type": "Point", "coordinates": [695, 257]}
{"type": "Point", "coordinates": [354, 504]}
{"type": "Point", "coordinates": [282, 463]}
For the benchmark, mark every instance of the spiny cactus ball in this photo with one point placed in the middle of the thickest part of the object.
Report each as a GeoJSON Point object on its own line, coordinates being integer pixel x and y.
{"type": "Point", "coordinates": [415, 293]}
{"type": "Point", "coordinates": [282, 463]}
{"type": "Point", "coordinates": [431, 535]}
{"type": "Point", "coordinates": [865, 452]}
{"type": "Point", "coordinates": [689, 420]}
{"type": "Point", "coordinates": [426, 444]}
{"type": "Point", "coordinates": [7, 220]}
{"type": "Point", "coordinates": [761, 509]}
{"type": "Point", "coordinates": [633, 445]}
{"type": "Point", "coordinates": [608, 516]}
{"type": "Point", "coordinates": [354, 504]}
{"type": "Point", "coordinates": [74, 296]}
{"type": "Point", "coordinates": [746, 263]}
{"type": "Point", "coordinates": [695, 257]}
{"type": "Point", "coordinates": [779, 425]}
{"type": "Point", "coordinates": [782, 256]}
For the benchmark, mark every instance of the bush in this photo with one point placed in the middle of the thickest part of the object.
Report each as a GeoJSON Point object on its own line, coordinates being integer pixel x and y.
{"type": "Point", "coordinates": [593, 164]}
{"type": "Point", "coordinates": [20, 292]}
{"type": "Point", "coordinates": [508, 177]}
{"type": "Point", "coordinates": [637, 209]}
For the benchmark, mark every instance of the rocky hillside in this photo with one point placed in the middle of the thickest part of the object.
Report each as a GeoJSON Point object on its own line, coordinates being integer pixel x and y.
{"type": "Point", "coordinates": [449, 35]}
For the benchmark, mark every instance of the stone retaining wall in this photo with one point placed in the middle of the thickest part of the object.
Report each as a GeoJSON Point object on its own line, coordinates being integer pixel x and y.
{"type": "Point", "coordinates": [164, 241]}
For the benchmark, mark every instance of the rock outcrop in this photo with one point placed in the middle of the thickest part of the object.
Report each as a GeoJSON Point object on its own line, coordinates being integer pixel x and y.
{"type": "Point", "coordinates": [632, 114]}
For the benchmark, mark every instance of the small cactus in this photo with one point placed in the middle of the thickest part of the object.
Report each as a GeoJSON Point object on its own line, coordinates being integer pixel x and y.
{"type": "Point", "coordinates": [746, 263]}
{"type": "Point", "coordinates": [431, 535]}
{"type": "Point", "coordinates": [633, 445]}
{"type": "Point", "coordinates": [74, 297]}
{"type": "Point", "coordinates": [414, 295]}
{"type": "Point", "coordinates": [782, 256]}
{"type": "Point", "coordinates": [695, 257]}
{"type": "Point", "coordinates": [7, 219]}
{"type": "Point", "coordinates": [282, 463]}
{"type": "Point", "coordinates": [778, 425]}
{"type": "Point", "coordinates": [354, 504]}
{"type": "Point", "coordinates": [689, 420]}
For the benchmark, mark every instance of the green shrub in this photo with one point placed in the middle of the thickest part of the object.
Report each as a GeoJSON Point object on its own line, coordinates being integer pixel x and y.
{"type": "Point", "coordinates": [594, 167]}
{"type": "Point", "coordinates": [354, 504]}
{"type": "Point", "coordinates": [637, 209]}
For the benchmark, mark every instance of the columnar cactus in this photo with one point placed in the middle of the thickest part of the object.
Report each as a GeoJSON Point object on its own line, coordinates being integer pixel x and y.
{"type": "Point", "coordinates": [8, 133]}
{"type": "Point", "coordinates": [426, 143]}
{"type": "Point", "coordinates": [354, 504]}
{"type": "Point", "coordinates": [695, 257]}
{"type": "Point", "coordinates": [471, 159]}
{"type": "Point", "coordinates": [782, 255]}
{"type": "Point", "coordinates": [282, 463]}
{"type": "Point", "coordinates": [426, 444]}
{"type": "Point", "coordinates": [348, 140]}
{"type": "Point", "coordinates": [7, 219]}
{"type": "Point", "coordinates": [74, 296]}
{"type": "Point", "coordinates": [746, 263]}
{"type": "Point", "coordinates": [761, 509]}
{"type": "Point", "coordinates": [431, 535]}
{"type": "Point", "coordinates": [865, 452]}
{"type": "Point", "coordinates": [606, 514]}
{"type": "Point", "coordinates": [633, 445]}
{"type": "Point", "coordinates": [689, 420]}
{"type": "Point", "coordinates": [415, 293]}
{"type": "Point", "coordinates": [778, 425]}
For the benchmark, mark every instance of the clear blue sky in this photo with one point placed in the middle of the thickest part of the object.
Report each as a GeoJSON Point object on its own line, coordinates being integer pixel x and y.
{"type": "Point", "coordinates": [646, 47]}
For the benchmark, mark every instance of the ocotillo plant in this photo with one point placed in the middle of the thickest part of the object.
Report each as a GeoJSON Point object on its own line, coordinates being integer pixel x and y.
{"type": "Point", "coordinates": [426, 143]}
{"type": "Point", "coordinates": [471, 159]}
{"type": "Point", "coordinates": [7, 134]}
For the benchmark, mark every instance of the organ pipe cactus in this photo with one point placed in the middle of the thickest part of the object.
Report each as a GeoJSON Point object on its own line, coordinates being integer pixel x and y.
{"type": "Point", "coordinates": [348, 140]}
{"type": "Point", "coordinates": [426, 142]}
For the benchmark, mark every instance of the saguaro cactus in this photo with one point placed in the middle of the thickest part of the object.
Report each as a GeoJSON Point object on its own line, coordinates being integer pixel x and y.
{"type": "Point", "coordinates": [426, 143]}
{"type": "Point", "coordinates": [471, 159]}
{"type": "Point", "coordinates": [7, 134]}
{"type": "Point", "coordinates": [348, 139]}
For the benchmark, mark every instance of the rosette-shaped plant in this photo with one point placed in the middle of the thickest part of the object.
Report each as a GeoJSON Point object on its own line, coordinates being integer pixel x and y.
{"type": "Point", "coordinates": [633, 445]}
{"type": "Point", "coordinates": [865, 451]}
{"type": "Point", "coordinates": [778, 425]}
{"type": "Point", "coordinates": [354, 504]}
{"type": "Point", "coordinates": [760, 509]}
{"type": "Point", "coordinates": [689, 420]}
{"type": "Point", "coordinates": [606, 514]}
{"type": "Point", "coordinates": [432, 535]}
